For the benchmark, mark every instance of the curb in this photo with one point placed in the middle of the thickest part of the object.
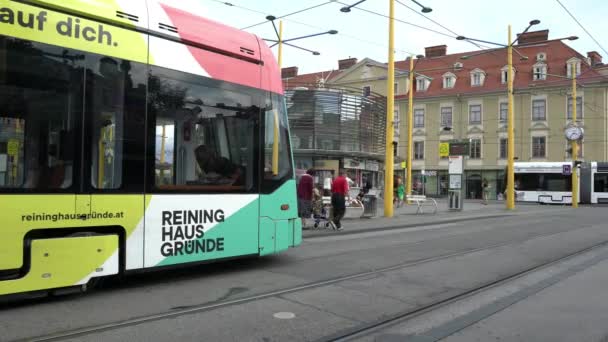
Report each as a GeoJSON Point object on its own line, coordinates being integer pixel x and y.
{"type": "Point", "coordinates": [401, 226]}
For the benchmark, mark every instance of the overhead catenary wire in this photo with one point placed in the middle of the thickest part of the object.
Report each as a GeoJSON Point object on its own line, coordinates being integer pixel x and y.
{"type": "Point", "coordinates": [581, 25]}
{"type": "Point", "coordinates": [290, 14]}
{"type": "Point", "coordinates": [340, 33]}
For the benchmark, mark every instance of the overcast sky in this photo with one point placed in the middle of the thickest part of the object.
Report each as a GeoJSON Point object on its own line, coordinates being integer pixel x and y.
{"type": "Point", "coordinates": [363, 34]}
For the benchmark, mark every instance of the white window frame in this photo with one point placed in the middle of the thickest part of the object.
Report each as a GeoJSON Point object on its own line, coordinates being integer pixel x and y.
{"type": "Point", "coordinates": [580, 115]}
{"type": "Point", "coordinates": [423, 117]}
{"type": "Point", "coordinates": [441, 123]}
{"type": "Point", "coordinates": [396, 120]}
{"type": "Point", "coordinates": [425, 82]}
{"type": "Point", "coordinates": [535, 99]}
{"type": "Point", "coordinates": [449, 77]}
{"type": "Point", "coordinates": [532, 146]}
{"type": "Point", "coordinates": [543, 72]}
{"type": "Point", "coordinates": [423, 150]}
{"type": "Point", "coordinates": [480, 113]}
{"type": "Point", "coordinates": [477, 74]}
{"type": "Point", "coordinates": [500, 139]}
{"type": "Point", "coordinates": [500, 102]}
{"type": "Point", "coordinates": [480, 147]}
{"type": "Point", "coordinates": [504, 74]}
{"type": "Point", "coordinates": [569, 63]}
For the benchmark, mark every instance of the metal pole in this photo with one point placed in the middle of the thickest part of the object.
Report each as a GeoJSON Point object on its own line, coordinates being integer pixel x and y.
{"type": "Point", "coordinates": [280, 58]}
{"type": "Point", "coordinates": [275, 142]}
{"type": "Point", "coordinates": [574, 143]}
{"type": "Point", "coordinates": [410, 123]}
{"type": "Point", "coordinates": [510, 129]}
{"type": "Point", "coordinates": [389, 163]}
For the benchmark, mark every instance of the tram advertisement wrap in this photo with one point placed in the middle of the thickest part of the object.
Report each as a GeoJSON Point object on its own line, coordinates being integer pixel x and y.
{"type": "Point", "coordinates": [189, 228]}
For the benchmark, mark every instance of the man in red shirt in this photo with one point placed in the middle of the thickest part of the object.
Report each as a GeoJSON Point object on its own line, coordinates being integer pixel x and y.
{"type": "Point", "coordinates": [339, 192]}
{"type": "Point", "coordinates": [305, 196]}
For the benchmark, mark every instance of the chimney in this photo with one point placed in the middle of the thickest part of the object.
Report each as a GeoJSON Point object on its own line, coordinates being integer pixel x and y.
{"type": "Point", "coordinates": [595, 58]}
{"type": "Point", "coordinates": [346, 63]}
{"type": "Point", "coordinates": [533, 37]}
{"type": "Point", "coordinates": [435, 51]}
{"type": "Point", "coordinates": [289, 72]}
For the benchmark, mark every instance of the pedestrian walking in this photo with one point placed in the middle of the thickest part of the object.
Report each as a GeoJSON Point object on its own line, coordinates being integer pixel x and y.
{"type": "Point", "coordinates": [305, 192]}
{"type": "Point", "coordinates": [400, 192]}
{"type": "Point", "coordinates": [339, 192]}
{"type": "Point", "coordinates": [485, 191]}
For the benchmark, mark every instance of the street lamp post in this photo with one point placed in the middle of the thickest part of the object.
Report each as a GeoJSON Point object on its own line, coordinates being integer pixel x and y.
{"type": "Point", "coordinates": [510, 203]}
{"type": "Point", "coordinates": [389, 159]}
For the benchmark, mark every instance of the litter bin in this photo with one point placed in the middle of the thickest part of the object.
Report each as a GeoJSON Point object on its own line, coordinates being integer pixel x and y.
{"type": "Point", "coordinates": [370, 205]}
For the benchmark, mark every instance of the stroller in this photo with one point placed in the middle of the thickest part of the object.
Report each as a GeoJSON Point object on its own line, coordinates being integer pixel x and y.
{"type": "Point", "coordinates": [322, 212]}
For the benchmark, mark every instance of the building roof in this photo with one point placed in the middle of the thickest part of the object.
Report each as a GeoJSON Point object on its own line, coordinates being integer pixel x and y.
{"type": "Point", "coordinates": [310, 80]}
{"type": "Point", "coordinates": [556, 52]}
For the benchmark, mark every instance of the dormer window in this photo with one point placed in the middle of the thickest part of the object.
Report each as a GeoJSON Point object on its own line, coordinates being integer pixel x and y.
{"type": "Point", "coordinates": [504, 77]}
{"type": "Point", "coordinates": [449, 80]}
{"type": "Point", "coordinates": [573, 62]}
{"type": "Point", "coordinates": [477, 77]}
{"type": "Point", "coordinates": [539, 72]}
{"type": "Point", "coordinates": [422, 83]}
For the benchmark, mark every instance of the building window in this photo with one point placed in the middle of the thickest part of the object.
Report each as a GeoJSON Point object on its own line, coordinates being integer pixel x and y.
{"type": "Point", "coordinates": [449, 80]}
{"type": "Point", "coordinates": [446, 116]}
{"type": "Point", "coordinates": [477, 77]}
{"type": "Point", "coordinates": [396, 88]}
{"type": "Point", "coordinates": [504, 112]}
{"type": "Point", "coordinates": [569, 150]}
{"type": "Point", "coordinates": [539, 147]}
{"type": "Point", "coordinates": [476, 80]}
{"type": "Point", "coordinates": [474, 114]}
{"type": "Point", "coordinates": [503, 148]}
{"type": "Point", "coordinates": [573, 62]}
{"type": "Point", "coordinates": [504, 74]}
{"type": "Point", "coordinates": [367, 90]}
{"type": "Point", "coordinates": [396, 121]}
{"type": "Point", "coordinates": [579, 108]}
{"type": "Point", "coordinates": [419, 118]}
{"type": "Point", "coordinates": [540, 72]}
{"type": "Point", "coordinates": [422, 84]}
{"type": "Point", "coordinates": [539, 110]}
{"type": "Point", "coordinates": [475, 149]}
{"type": "Point", "coordinates": [418, 150]}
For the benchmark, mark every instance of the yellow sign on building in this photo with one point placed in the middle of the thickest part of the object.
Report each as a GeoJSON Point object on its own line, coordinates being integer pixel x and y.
{"type": "Point", "coordinates": [444, 149]}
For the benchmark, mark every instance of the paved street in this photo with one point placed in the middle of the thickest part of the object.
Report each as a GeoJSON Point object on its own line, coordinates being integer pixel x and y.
{"type": "Point", "coordinates": [345, 283]}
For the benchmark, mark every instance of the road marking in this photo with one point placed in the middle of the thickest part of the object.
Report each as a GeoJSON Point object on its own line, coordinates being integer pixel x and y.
{"type": "Point", "coordinates": [284, 315]}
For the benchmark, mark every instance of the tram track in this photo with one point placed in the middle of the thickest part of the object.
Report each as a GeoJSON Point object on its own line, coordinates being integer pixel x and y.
{"type": "Point", "coordinates": [174, 313]}
{"type": "Point", "coordinates": [366, 330]}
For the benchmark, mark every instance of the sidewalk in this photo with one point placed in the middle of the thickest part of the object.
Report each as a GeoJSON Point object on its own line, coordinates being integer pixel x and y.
{"type": "Point", "coordinates": [406, 216]}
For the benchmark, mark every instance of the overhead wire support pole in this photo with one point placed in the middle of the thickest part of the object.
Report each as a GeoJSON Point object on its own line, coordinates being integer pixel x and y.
{"type": "Point", "coordinates": [389, 164]}
{"type": "Point", "coordinates": [574, 142]}
{"type": "Point", "coordinates": [410, 122]}
{"type": "Point", "coordinates": [510, 129]}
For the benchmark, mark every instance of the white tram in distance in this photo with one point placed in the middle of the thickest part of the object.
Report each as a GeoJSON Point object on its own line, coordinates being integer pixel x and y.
{"type": "Point", "coordinates": [544, 182]}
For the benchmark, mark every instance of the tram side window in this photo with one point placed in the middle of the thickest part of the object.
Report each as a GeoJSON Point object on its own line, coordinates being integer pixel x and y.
{"type": "Point", "coordinates": [116, 100]}
{"type": "Point", "coordinates": [600, 182]}
{"type": "Point", "coordinates": [40, 96]}
{"type": "Point", "coordinates": [543, 182]}
{"type": "Point", "coordinates": [277, 156]}
{"type": "Point", "coordinates": [205, 132]}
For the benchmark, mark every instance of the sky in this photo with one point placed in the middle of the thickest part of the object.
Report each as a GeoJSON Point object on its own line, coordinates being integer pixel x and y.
{"type": "Point", "coordinates": [361, 34]}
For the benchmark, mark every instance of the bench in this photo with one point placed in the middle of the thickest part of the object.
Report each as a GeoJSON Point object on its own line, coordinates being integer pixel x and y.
{"type": "Point", "coordinates": [421, 201]}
